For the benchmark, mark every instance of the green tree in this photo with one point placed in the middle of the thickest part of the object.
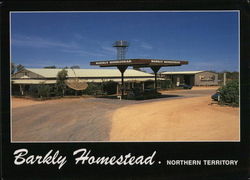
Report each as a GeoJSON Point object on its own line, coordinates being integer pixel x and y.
{"type": "Point", "coordinates": [75, 67]}
{"type": "Point", "coordinates": [229, 94]}
{"type": "Point", "coordinates": [43, 90]}
{"type": "Point", "coordinates": [229, 75]}
{"type": "Point", "coordinates": [93, 88]}
{"type": "Point", "coordinates": [60, 81]}
{"type": "Point", "coordinates": [50, 67]}
{"type": "Point", "coordinates": [109, 87]}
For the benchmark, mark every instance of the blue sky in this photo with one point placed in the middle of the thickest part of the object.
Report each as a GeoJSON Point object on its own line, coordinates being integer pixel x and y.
{"type": "Point", "coordinates": [208, 40]}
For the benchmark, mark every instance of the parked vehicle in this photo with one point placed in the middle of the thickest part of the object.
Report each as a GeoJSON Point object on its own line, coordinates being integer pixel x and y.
{"type": "Point", "coordinates": [216, 96]}
{"type": "Point", "coordinates": [185, 86]}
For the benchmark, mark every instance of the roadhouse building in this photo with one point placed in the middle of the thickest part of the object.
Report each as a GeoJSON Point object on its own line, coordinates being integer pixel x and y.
{"type": "Point", "coordinates": [22, 80]}
{"type": "Point", "coordinates": [193, 78]}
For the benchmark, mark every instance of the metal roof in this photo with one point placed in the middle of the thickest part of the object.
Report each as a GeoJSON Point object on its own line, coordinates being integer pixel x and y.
{"type": "Point", "coordinates": [31, 81]}
{"type": "Point", "coordinates": [99, 73]}
{"type": "Point", "coordinates": [181, 72]}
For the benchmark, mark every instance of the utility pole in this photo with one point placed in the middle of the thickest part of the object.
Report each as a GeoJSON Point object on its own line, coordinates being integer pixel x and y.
{"type": "Point", "coordinates": [224, 78]}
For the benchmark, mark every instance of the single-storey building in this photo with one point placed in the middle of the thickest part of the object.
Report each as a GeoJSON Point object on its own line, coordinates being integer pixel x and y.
{"type": "Point", "coordinates": [22, 80]}
{"type": "Point", "coordinates": [193, 78]}
{"type": "Point", "coordinates": [48, 76]}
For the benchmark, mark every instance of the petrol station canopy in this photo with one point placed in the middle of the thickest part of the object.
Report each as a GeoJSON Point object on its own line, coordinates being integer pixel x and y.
{"type": "Point", "coordinates": [123, 64]}
{"type": "Point", "coordinates": [138, 63]}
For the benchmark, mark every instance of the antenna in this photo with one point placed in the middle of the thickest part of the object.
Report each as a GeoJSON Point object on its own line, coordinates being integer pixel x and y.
{"type": "Point", "coordinates": [121, 47]}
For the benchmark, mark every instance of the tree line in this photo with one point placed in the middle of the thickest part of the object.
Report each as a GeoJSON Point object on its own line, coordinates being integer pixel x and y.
{"type": "Point", "coordinates": [229, 75]}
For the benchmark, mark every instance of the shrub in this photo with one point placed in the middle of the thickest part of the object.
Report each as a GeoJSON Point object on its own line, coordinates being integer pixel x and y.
{"type": "Point", "coordinates": [165, 84]}
{"type": "Point", "coordinates": [43, 90]}
{"type": "Point", "coordinates": [229, 94]}
{"type": "Point", "coordinates": [109, 87]}
{"type": "Point", "coordinates": [149, 84]}
{"type": "Point", "coordinates": [33, 90]}
{"type": "Point", "coordinates": [148, 94]}
{"type": "Point", "coordinates": [40, 91]}
{"type": "Point", "coordinates": [93, 88]}
{"type": "Point", "coordinates": [60, 82]}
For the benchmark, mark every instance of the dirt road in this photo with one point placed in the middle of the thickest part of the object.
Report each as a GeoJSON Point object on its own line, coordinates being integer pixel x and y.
{"type": "Point", "coordinates": [190, 119]}
{"type": "Point", "coordinates": [184, 115]}
{"type": "Point", "coordinates": [77, 119]}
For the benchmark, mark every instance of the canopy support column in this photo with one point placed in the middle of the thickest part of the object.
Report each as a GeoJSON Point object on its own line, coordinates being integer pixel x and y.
{"type": "Point", "coordinates": [155, 69]}
{"type": "Point", "coordinates": [122, 69]}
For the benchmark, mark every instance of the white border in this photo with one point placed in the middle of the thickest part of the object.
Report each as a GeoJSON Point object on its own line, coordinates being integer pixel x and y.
{"type": "Point", "coordinates": [169, 11]}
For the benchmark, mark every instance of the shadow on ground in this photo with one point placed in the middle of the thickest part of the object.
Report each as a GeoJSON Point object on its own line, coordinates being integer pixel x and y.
{"type": "Point", "coordinates": [158, 97]}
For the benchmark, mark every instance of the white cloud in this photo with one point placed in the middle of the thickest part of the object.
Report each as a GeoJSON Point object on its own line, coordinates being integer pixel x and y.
{"type": "Point", "coordinates": [145, 45]}
{"type": "Point", "coordinates": [83, 53]}
{"type": "Point", "coordinates": [38, 42]}
{"type": "Point", "coordinates": [108, 49]}
{"type": "Point", "coordinates": [67, 47]}
{"type": "Point", "coordinates": [91, 49]}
